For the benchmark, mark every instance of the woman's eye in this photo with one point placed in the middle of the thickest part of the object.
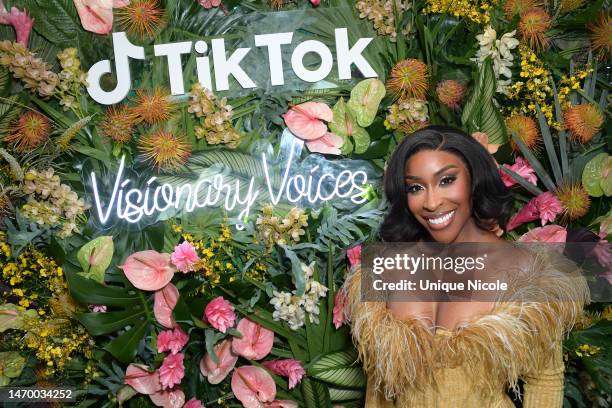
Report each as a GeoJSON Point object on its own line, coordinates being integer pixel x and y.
{"type": "Point", "coordinates": [447, 180]}
{"type": "Point", "coordinates": [413, 188]}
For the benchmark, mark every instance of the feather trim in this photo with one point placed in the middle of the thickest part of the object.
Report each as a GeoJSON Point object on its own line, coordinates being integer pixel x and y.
{"type": "Point", "coordinates": [516, 339]}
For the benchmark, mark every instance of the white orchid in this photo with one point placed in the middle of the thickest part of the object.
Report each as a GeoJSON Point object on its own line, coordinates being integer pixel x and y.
{"type": "Point", "coordinates": [500, 51]}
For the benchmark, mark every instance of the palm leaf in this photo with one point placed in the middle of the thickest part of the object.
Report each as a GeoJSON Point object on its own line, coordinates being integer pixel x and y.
{"type": "Point", "coordinates": [347, 228]}
{"type": "Point", "coordinates": [10, 108]}
{"type": "Point", "coordinates": [550, 147]}
{"type": "Point", "coordinates": [524, 183]}
{"type": "Point", "coordinates": [535, 163]}
{"type": "Point", "coordinates": [562, 135]}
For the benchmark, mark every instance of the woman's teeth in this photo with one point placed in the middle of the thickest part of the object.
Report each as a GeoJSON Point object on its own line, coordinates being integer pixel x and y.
{"type": "Point", "coordinates": [441, 220]}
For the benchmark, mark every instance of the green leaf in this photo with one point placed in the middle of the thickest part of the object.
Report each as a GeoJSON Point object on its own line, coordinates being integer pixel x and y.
{"type": "Point", "coordinates": [338, 369]}
{"type": "Point", "coordinates": [550, 147]}
{"type": "Point", "coordinates": [535, 163]}
{"type": "Point", "coordinates": [95, 257]}
{"type": "Point", "coordinates": [597, 176]}
{"type": "Point", "coordinates": [11, 317]}
{"type": "Point", "coordinates": [365, 99]}
{"type": "Point", "coordinates": [11, 364]}
{"type": "Point", "coordinates": [125, 346]}
{"type": "Point", "coordinates": [296, 269]}
{"type": "Point", "coordinates": [339, 395]}
{"type": "Point", "coordinates": [315, 394]}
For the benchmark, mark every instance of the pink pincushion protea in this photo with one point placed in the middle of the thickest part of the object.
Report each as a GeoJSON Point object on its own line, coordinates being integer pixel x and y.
{"type": "Point", "coordinates": [172, 370]}
{"type": "Point", "coordinates": [172, 340]}
{"type": "Point", "coordinates": [220, 314]}
{"type": "Point", "coordinates": [184, 256]}
{"type": "Point", "coordinates": [287, 368]}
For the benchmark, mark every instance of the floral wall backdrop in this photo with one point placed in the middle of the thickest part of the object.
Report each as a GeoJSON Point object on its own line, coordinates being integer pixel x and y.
{"type": "Point", "coordinates": [185, 309]}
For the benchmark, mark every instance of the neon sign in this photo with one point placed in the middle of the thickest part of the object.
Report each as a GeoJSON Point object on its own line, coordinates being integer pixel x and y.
{"type": "Point", "coordinates": [224, 67]}
{"type": "Point", "coordinates": [315, 186]}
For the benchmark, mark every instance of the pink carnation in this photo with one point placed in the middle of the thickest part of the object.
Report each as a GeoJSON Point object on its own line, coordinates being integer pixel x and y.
{"type": "Point", "coordinates": [172, 340]}
{"type": "Point", "coordinates": [287, 368]}
{"type": "Point", "coordinates": [523, 169]}
{"type": "Point", "coordinates": [220, 314]}
{"type": "Point", "coordinates": [184, 256]}
{"type": "Point", "coordinates": [339, 307]}
{"type": "Point", "coordinates": [172, 370]}
{"type": "Point", "coordinates": [193, 403]}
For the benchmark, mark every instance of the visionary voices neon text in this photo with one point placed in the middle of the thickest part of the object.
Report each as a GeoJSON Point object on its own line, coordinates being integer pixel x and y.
{"type": "Point", "coordinates": [132, 204]}
{"type": "Point", "coordinates": [223, 66]}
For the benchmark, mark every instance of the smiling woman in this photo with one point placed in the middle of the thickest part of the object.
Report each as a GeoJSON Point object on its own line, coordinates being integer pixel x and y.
{"type": "Point", "coordinates": [443, 185]}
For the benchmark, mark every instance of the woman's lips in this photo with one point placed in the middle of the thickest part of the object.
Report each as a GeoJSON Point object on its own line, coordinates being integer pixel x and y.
{"type": "Point", "coordinates": [440, 221]}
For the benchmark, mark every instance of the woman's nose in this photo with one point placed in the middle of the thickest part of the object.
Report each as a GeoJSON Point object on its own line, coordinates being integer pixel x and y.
{"type": "Point", "coordinates": [432, 200]}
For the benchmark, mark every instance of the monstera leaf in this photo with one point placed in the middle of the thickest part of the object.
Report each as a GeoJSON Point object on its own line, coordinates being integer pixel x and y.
{"type": "Point", "coordinates": [345, 125]}
{"type": "Point", "coordinates": [95, 257]}
{"type": "Point", "coordinates": [597, 176]}
{"type": "Point", "coordinates": [128, 321]}
{"type": "Point", "coordinates": [364, 101]}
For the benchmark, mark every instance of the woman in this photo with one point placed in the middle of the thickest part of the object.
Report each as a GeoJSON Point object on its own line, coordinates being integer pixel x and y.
{"type": "Point", "coordinates": [443, 186]}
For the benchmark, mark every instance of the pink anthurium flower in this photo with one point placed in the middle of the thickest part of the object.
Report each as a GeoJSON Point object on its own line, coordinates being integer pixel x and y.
{"type": "Point", "coordinates": [215, 373]}
{"type": "Point", "coordinates": [148, 270]}
{"type": "Point", "coordinates": [256, 341]}
{"type": "Point", "coordinates": [549, 233]}
{"type": "Point", "coordinates": [329, 143]}
{"type": "Point", "coordinates": [138, 377]}
{"type": "Point", "coordinates": [164, 302]}
{"type": "Point", "coordinates": [306, 120]}
{"type": "Point", "coordinates": [96, 15]}
{"type": "Point", "coordinates": [174, 398]}
{"type": "Point", "coordinates": [20, 21]}
{"type": "Point", "coordinates": [253, 386]}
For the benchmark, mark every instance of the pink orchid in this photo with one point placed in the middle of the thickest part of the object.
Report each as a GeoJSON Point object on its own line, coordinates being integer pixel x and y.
{"type": "Point", "coordinates": [172, 370]}
{"type": "Point", "coordinates": [138, 377]}
{"type": "Point", "coordinates": [306, 120]}
{"type": "Point", "coordinates": [256, 341]}
{"type": "Point", "coordinates": [164, 302]}
{"type": "Point", "coordinates": [329, 143]}
{"type": "Point", "coordinates": [220, 314]}
{"type": "Point", "coordinates": [354, 255]}
{"type": "Point", "coordinates": [549, 233]}
{"type": "Point", "coordinates": [184, 256]}
{"type": "Point", "coordinates": [148, 270]}
{"type": "Point", "coordinates": [172, 340]}
{"type": "Point", "coordinates": [208, 4]}
{"type": "Point", "coordinates": [193, 403]}
{"type": "Point", "coordinates": [548, 206]}
{"type": "Point", "coordinates": [339, 314]}
{"type": "Point", "coordinates": [174, 398]}
{"type": "Point", "coordinates": [287, 368]}
{"type": "Point", "coordinates": [215, 373]}
{"type": "Point", "coordinates": [523, 169]}
{"type": "Point", "coordinates": [253, 386]}
{"type": "Point", "coordinates": [98, 308]}
{"type": "Point", "coordinates": [20, 22]}
{"type": "Point", "coordinates": [282, 404]}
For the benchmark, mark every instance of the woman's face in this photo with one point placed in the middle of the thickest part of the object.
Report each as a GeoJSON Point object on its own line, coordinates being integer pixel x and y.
{"type": "Point", "coordinates": [438, 190]}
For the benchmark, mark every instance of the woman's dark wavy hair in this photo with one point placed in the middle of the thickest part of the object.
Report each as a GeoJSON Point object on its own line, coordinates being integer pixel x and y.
{"type": "Point", "coordinates": [491, 200]}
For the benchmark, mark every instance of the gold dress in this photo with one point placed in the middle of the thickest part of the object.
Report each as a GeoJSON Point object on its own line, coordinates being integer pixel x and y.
{"type": "Point", "coordinates": [408, 365]}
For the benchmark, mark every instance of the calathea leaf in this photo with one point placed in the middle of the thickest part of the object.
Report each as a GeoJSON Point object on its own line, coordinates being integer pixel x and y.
{"type": "Point", "coordinates": [95, 257]}
{"type": "Point", "coordinates": [345, 125]}
{"type": "Point", "coordinates": [364, 101]}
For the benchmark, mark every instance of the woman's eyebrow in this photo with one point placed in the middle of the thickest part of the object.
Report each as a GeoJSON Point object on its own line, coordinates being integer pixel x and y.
{"type": "Point", "coordinates": [442, 170]}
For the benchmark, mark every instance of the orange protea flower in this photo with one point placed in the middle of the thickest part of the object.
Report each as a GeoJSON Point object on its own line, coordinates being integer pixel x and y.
{"type": "Point", "coordinates": [409, 128]}
{"type": "Point", "coordinates": [574, 200]}
{"type": "Point", "coordinates": [533, 26]}
{"type": "Point", "coordinates": [165, 150]}
{"type": "Point", "coordinates": [141, 17]}
{"type": "Point", "coordinates": [408, 79]}
{"type": "Point", "coordinates": [514, 7]}
{"type": "Point", "coordinates": [450, 93]}
{"type": "Point", "coordinates": [583, 121]}
{"type": "Point", "coordinates": [601, 35]}
{"type": "Point", "coordinates": [118, 124]}
{"type": "Point", "coordinates": [153, 107]}
{"type": "Point", "coordinates": [29, 131]}
{"type": "Point", "coordinates": [526, 129]}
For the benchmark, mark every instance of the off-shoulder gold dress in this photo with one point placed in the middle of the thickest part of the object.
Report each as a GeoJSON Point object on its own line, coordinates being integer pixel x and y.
{"type": "Point", "coordinates": [408, 365]}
